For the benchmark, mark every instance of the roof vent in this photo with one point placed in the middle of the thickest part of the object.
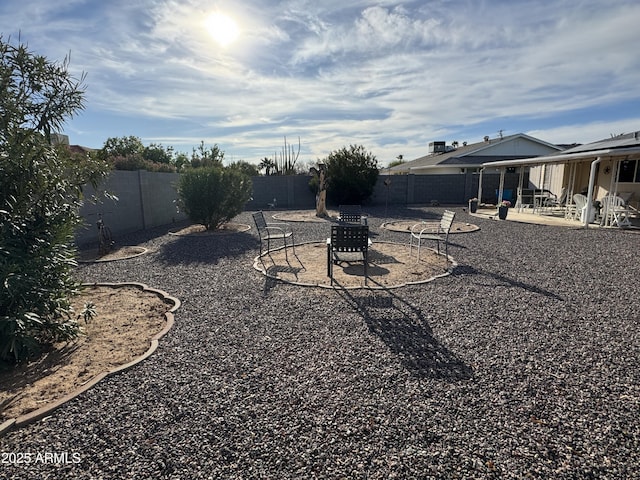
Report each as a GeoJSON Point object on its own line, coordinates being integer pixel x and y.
{"type": "Point", "coordinates": [486, 138]}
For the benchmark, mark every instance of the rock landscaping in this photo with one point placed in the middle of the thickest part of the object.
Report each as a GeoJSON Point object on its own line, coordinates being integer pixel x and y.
{"type": "Point", "coordinates": [523, 363]}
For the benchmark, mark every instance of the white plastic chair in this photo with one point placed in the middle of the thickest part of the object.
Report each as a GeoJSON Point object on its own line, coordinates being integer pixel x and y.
{"type": "Point", "coordinates": [615, 212]}
{"type": "Point", "coordinates": [581, 208]}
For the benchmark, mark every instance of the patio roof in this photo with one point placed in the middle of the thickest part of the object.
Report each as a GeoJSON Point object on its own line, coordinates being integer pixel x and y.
{"type": "Point", "coordinates": [622, 146]}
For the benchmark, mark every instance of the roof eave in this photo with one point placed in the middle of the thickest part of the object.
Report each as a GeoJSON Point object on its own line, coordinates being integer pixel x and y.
{"type": "Point", "coordinates": [568, 157]}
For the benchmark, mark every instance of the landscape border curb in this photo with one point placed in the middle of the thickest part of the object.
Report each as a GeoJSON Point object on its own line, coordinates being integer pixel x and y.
{"type": "Point", "coordinates": [42, 412]}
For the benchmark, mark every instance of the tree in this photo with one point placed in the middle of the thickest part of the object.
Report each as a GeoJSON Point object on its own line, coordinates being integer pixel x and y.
{"type": "Point", "coordinates": [40, 194]}
{"type": "Point", "coordinates": [207, 157]}
{"type": "Point", "coordinates": [351, 175]}
{"type": "Point", "coordinates": [156, 153]}
{"type": "Point", "coordinates": [247, 168]}
{"type": "Point", "coordinates": [214, 195]}
{"type": "Point", "coordinates": [268, 165]}
{"type": "Point", "coordinates": [121, 147]}
{"type": "Point", "coordinates": [129, 153]}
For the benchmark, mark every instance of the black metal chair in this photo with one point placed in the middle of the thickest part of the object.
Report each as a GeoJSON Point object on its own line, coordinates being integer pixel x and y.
{"type": "Point", "coordinates": [348, 243]}
{"type": "Point", "coordinates": [268, 231]}
{"type": "Point", "coordinates": [351, 214]}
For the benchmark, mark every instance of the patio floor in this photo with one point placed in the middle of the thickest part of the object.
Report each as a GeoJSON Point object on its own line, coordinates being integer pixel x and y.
{"type": "Point", "coordinates": [552, 218]}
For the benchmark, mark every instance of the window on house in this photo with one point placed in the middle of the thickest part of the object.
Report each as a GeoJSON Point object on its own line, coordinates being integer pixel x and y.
{"type": "Point", "coordinates": [628, 171]}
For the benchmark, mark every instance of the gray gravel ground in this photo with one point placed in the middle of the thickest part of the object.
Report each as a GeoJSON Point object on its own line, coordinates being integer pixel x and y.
{"type": "Point", "coordinates": [522, 364]}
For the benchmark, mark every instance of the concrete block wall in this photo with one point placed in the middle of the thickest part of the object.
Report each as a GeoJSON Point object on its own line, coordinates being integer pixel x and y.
{"type": "Point", "coordinates": [145, 200]}
{"type": "Point", "coordinates": [148, 199]}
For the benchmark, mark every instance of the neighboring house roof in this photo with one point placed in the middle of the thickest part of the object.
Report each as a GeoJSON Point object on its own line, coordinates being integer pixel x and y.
{"type": "Point", "coordinates": [621, 146]}
{"type": "Point", "coordinates": [80, 149]}
{"type": "Point", "coordinates": [472, 155]}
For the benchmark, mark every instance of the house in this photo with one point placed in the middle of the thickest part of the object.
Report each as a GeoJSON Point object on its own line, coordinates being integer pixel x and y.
{"type": "Point", "coordinates": [603, 168]}
{"type": "Point", "coordinates": [465, 158]}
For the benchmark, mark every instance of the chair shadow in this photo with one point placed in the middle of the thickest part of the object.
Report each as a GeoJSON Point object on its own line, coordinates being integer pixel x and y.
{"type": "Point", "coordinates": [357, 270]}
{"type": "Point", "coordinates": [405, 331]}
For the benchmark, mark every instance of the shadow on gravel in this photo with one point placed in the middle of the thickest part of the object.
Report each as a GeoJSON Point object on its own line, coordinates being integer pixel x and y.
{"type": "Point", "coordinates": [403, 328]}
{"type": "Point", "coordinates": [207, 249]}
{"type": "Point", "coordinates": [466, 270]}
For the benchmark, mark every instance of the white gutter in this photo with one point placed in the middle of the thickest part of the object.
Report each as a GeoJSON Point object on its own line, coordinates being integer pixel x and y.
{"type": "Point", "coordinates": [592, 182]}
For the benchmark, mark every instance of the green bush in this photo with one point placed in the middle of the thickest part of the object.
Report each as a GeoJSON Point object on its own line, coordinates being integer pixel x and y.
{"type": "Point", "coordinates": [352, 174]}
{"type": "Point", "coordinates": [40, 193]}
{"type": "Point", "coordinates": [212, 196]}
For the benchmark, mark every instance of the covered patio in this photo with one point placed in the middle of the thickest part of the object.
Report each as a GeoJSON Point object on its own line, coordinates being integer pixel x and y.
{"type": "Point", "coordinates": [607, 172]}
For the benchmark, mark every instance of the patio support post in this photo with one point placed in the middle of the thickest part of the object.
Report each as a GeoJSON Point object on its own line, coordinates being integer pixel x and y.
{"type": "Point", "coordinates": [613, 189]}
{"type": "Point", "coordinates": [480, 186]}
{"type": "Point", "coordinates": [571, 185]}
{"type": "Point", "coordinates": [501, 188]}
{"type": "Point", "coordinates": [519, 192]}
{"type": "Point", "coordinates": [592, 182]}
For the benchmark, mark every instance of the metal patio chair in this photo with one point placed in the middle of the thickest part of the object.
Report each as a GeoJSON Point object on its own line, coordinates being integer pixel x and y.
{"type": "Point", "coordinates": [428, 231]}
{"type": "Point", "coordinates": [269, 231]}
{"type": "Point", "coordinates": [348, 243]}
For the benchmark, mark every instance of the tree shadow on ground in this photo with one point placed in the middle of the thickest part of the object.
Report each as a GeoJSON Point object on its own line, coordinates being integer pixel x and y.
{"type": "Point", "coordinates": [405, 331]}
{"type": "Point", "coordinates": [207, 248]}
{"type": "Point", "coordinates": [403, 213]}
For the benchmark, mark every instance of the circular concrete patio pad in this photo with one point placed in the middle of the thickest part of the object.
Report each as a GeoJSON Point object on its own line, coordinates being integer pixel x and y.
{"type": "Point", "coordinates": [390, 266]}
{"type": "Point", "coordinates": [405, 226]}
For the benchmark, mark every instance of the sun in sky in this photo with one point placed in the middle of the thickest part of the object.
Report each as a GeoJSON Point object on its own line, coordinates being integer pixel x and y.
{"type": "Point", "coordinates": [222, 28]}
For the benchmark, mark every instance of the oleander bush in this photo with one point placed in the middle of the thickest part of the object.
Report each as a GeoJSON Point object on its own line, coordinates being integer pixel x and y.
{"type": "Point", "coordinates": [40, 195]}
{"type": "Point", "coordinates": [212, 196]}
{"type": "Point", "coordinates": [352, 174]}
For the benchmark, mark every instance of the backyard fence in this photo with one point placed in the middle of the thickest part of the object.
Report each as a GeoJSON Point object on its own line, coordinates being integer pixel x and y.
{"type": "Point", "coordinates": [149, 199]}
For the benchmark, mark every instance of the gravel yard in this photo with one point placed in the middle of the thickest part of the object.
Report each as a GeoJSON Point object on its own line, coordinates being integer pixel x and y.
{"type": "Point", "coordinates": [521, 364]}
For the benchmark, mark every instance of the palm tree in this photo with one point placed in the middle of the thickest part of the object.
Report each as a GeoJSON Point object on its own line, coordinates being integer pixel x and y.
{"type": "Point", "coordinates": [267, 165]}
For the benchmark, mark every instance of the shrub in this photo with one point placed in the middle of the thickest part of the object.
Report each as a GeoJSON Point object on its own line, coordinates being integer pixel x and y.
{"type": "Point", "coordinates": [352, 175]}
{"type": "Point", "coordinates": [212, 196]}
{"type": "Point", "coordinates": [40, 193]}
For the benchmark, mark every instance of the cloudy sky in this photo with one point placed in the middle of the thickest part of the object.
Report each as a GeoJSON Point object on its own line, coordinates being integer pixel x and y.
{"type": "Point", "coordinates": [390, 75]}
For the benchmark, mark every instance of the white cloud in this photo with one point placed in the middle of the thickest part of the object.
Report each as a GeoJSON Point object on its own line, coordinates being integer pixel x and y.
{"type": "Point", "coordinates": [390, 75]}
{"type": "Point", "coordinates": [587, 132]}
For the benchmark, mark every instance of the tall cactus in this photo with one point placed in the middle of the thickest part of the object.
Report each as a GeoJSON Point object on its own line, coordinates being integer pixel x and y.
{"type": "Point", "coordinates": [286, 160]}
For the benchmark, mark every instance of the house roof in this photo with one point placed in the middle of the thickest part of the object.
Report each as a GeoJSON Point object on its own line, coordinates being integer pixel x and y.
{"type": "Point", "coordinates": [620, 146]}
{"type": "Point", "coordinates": [474, 154]}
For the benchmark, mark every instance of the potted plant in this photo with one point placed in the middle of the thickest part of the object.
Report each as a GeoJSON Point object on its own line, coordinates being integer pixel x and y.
{"type": "Point", "coordinates": [473, 205]}
{"type": "Point", "coordinates": [503, 208]}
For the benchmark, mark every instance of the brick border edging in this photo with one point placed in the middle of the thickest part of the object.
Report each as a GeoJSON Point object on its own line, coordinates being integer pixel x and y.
{"type": "Point", "coordinates": [47, 409]}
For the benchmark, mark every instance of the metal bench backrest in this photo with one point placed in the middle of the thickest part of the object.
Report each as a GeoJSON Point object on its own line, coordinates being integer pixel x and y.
{"type": "Point", "coordinates": [349, 238]}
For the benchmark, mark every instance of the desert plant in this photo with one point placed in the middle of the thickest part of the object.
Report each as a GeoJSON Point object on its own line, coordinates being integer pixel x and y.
{"type": "Point", "coordinates": [214, 195]}
{"type": "Point", "coordinates": [88, 312]}
{"type": "Point", "coordinates": [285, 162]}
{"type": "Point", "coordinates": [40, 193]}
{"type": "Point", "coordinates": [351, 175]}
